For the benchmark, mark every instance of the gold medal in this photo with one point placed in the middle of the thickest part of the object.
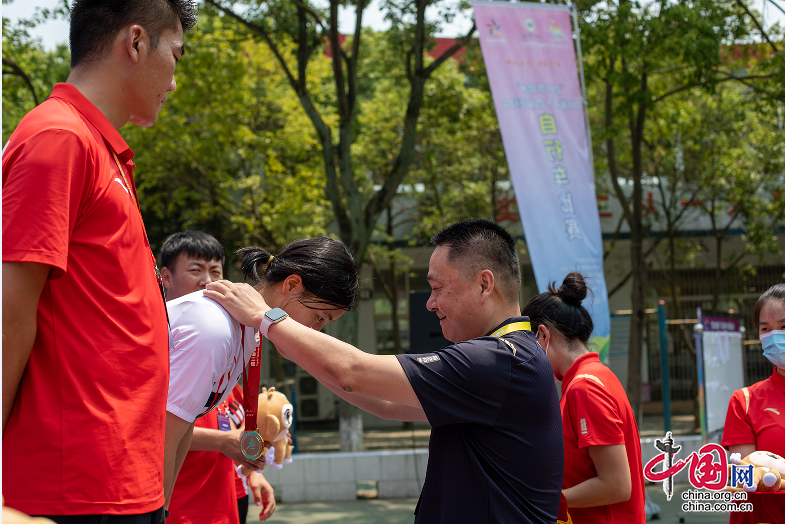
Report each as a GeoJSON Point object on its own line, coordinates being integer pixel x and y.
{"type": "Point", "coordinates": [252, 445]}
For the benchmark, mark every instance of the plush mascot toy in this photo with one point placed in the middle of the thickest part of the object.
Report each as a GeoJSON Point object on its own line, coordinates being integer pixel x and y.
{"type": "Point", "coordinates": [275, 418]}
{"type": "Point", "coordinates": [768, 471]}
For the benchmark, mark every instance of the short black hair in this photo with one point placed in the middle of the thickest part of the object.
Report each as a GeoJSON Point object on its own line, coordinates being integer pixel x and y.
{"type": "Point", "coordinates": [197, 244]}
{"type": "Point", "coordinates": [326, 266]}
{"type": "Point", "coordinates": [95, 23]}
{"type": "Point", "coordinates": [475, 245]}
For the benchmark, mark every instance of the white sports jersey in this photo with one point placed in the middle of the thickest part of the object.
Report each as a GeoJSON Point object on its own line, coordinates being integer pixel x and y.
{"type": "Point", "coordinates": [205, 355]}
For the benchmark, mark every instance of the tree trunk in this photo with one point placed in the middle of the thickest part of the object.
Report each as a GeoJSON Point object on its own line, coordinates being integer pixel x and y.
{"type": "Point", "coordinates": [717, 271]}
{"type": "Point", "coordinates": [637, 262]}
{"type": "Point", "coordinates": [637, 320]}
{"type": "Point", "coordinates": [674, 271]}
{"type": "Point", "coordinates": [350, 421]}
{"type": "Point", "coordinates": [396, 321]}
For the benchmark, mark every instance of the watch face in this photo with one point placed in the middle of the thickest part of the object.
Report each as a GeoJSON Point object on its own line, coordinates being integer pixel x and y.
{"type": "Point", "coordinates": [276, 314]}
{"type": "Point", "coordinates": [251, 444]}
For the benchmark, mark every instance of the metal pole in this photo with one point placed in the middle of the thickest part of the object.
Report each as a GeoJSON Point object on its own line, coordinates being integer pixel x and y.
{"type": "Point", "coordinates": [577, 29]}
{"type": "Point", "coordinates": [666, 389]}
{"type": "Point", "coordinates": [698, 334]}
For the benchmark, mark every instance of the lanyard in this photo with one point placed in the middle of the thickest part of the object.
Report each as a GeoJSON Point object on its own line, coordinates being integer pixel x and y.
{"type": "Point", "coordinates": [251, 379]}
{"type": "Point", "coordinates": [509, 328]}
{"type": "Point", "coordinates": [135, 202]}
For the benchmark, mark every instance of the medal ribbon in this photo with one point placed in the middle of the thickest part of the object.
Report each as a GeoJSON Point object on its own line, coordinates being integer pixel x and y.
{"type": "Point", "coordinates": [130, 191]}
{"type": "Point", "coordinates": [509, 328]}
{"type": "Point", "coordinates": [251, 381]}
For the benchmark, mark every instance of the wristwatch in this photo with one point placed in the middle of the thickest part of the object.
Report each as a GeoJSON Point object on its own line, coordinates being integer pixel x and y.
{"type": "Point", "coordinates": [273, 316]}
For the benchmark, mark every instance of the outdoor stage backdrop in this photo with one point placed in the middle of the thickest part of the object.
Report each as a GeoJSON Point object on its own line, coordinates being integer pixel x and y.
{"type": "Point", "coordinates": [530, 60]}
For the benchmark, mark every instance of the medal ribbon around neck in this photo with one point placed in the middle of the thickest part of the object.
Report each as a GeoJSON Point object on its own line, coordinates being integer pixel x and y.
{"type": "Point", "coordinates": [509, 328]}
{"type": "Point", "coordinates": [251, 382]}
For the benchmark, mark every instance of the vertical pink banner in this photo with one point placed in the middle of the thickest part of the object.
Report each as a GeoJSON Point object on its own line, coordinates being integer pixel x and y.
{"type": "Point", "coordinates": [530, 61]}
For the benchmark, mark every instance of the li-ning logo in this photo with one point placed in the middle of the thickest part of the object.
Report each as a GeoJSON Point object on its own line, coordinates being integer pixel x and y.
{"type": "Point", "coordinates": [428, 360]}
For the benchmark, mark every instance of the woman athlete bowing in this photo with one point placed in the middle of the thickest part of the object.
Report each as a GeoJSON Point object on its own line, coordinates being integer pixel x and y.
{"type": "Point", "coordinates": [312, 280]}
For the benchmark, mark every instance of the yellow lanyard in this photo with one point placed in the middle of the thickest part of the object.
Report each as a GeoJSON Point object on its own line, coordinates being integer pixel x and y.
{"type": "Point", "coordinates": [129, 189]}
{"type": "Point", "coordinates": [138, 210]}
{"type": "Point", "coordinates": [509, 328]}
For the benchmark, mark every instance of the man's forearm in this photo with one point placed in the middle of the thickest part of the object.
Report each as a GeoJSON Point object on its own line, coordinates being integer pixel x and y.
{"type": "Point", "coordinates": [326, 358]}
{"type": "Point", "coordinates": [343, 366]}
{"type": "Point", "coordinates": [381, 408]}
{"type": "Point", "coordinates": [22, 286]}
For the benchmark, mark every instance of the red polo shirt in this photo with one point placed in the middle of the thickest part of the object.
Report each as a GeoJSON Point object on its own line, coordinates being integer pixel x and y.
{"type": "Point", "coordinates": [86, 435]}
{"type": "Point", "coordinates": [596, 412]}
{"type": "Point", "coordinates": [756, 415]}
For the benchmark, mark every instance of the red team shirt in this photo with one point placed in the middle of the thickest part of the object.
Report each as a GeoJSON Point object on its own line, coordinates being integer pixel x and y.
{"type": "Point", "coordinates": [86, 435]}
{"type": "Point", "coordinates": [757, 416]}
{"type": "Point", "coordinates": [596, 412]}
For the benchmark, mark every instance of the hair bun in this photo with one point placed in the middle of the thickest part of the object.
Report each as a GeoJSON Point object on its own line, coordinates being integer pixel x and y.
{"type": "Point", "coordinates": [574, 289]}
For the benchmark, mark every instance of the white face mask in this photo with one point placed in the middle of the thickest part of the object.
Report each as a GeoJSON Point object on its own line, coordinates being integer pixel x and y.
{"type": "Point", "coordinates": [547, 345]}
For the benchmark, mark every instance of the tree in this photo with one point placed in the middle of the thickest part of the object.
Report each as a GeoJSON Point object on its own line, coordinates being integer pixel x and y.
{"type": "Point", "coordinates": [742, 171]}
{"type": "Point", "coordinates": [29, 72]}
{"type": "Point", "coordinates": [643, 54]}
{"type": "Point", "coordinates": [239, 162]}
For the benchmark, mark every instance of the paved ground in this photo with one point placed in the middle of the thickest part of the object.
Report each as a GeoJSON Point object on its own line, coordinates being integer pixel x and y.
{"type": "Point", "coordinates": [398, 511]}
{"type": "Point", "coordinates": [375, 511]}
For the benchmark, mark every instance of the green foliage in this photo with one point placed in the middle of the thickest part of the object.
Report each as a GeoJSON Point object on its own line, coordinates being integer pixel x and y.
{"type": "Point", "coordinates": [232, 152]}
{"type": "Point", "coordinates": [25, 55]}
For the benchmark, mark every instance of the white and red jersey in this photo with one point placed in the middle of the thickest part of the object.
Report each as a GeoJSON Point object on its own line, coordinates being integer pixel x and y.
{"type": "Point", "coordinates": [207, 356]}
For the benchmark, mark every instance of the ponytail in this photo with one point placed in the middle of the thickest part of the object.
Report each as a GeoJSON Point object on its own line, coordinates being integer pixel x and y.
{"type": "Point", "coordinates": [252, 258]}
{"type": "Point", "coordinates": [560, 309]}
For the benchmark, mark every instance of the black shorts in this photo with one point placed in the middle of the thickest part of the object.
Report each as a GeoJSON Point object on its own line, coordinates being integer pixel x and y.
{"type": "Point", "coordinates": [242, 508]}
{"type": "Point", "coordinates": [154, 517]}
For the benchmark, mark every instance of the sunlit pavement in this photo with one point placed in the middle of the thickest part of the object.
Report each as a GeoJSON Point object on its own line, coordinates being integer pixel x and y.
{"type": "Point", "coordinates": [397, 511]}
{"type": "Point", "coordinates": [401, 511]}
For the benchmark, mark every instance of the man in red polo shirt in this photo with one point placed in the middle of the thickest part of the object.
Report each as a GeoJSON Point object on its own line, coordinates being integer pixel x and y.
{"type": "Point", "coordinates": [85, 341]}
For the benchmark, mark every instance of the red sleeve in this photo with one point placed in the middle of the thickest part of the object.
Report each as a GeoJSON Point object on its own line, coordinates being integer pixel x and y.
{"type": "Point", "coordinates": [737, 426]}
{"type": "Point", "coordinates": [44, 179]}
{"type": "Point", "coordinates": [594, 414]}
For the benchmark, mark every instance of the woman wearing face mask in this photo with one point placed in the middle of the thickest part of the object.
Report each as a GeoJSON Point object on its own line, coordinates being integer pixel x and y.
{"type": "Point", "coordinates": [756, 415]}
{"type": "Point", "coordinates": [603, 474]}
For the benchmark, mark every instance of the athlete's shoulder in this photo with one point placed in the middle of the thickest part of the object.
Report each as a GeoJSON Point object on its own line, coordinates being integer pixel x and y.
{"type": "Point", "coordinates": [198, 310]}
{"type": "Point", "coordinates": [53, 116]}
